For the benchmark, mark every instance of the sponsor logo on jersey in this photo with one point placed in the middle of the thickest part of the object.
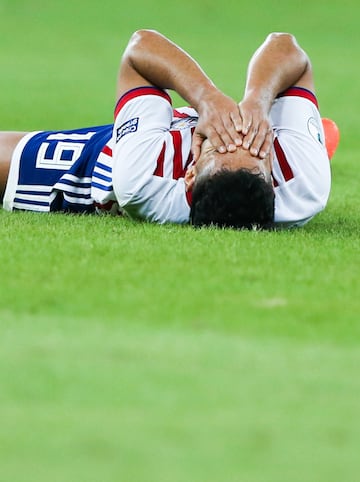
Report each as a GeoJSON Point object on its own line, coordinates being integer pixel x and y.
{"type": "Point", "coordinates": [314, 129]}
{"type": "Point", "coordinates": [184, 123]}
{"type": "Point", "coordinates": [128, 127]}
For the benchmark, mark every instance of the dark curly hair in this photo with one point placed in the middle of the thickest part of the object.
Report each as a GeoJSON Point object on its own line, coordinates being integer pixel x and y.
{"type": "Point", "coordinates": [238, 199]}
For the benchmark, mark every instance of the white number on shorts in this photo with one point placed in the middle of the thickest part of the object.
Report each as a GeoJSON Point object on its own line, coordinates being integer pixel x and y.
{"type": "Point", "coordinates": [61, 150]}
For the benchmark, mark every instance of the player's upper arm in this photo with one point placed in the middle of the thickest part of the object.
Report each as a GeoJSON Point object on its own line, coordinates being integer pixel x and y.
{"type": "Point", "coordinates": [307, 80]}
{"type": "Point", "coordinates": [128, 77]}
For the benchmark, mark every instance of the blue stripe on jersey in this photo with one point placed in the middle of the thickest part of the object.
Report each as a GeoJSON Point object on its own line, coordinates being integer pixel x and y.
{"type": "Point", "coordinates": [79, 195]}
{"type": "Point", "coordinates": [35, 202]}
{"type": "Point", "coordinates": [76, 184]}
{"type": "Point", "coordinates": [101, 176]}
{"type": "Point", "coordinates": [102, 187]}
{"type": "Point", "coordinates": [33, 192]}
{"type": "Point", "coordinates": [103, 167]}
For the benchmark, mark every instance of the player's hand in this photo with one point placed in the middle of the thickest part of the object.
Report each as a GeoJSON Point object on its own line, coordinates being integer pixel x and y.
{"type": "Point", "coordinates": [257, 129]}
{"type": "Point", "coordinates": [220, 122]}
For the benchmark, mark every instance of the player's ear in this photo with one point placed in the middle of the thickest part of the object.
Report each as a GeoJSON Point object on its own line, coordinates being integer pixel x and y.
{"type": "Point", "coordinates": [190, 178]}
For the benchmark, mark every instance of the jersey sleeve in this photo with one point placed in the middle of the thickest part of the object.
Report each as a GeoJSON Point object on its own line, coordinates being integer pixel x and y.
{"type": "Point", "coordinates": [301, 168]}
{"type": "Point", "coordinates": [141, 132]}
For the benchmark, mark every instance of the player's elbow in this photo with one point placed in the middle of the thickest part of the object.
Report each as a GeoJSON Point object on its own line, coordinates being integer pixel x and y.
{"type": "Point", "coordinates": [287, 44]}
{"type": "Point", "coordinates": [284, 39]}
{"type": "Point", "coordinates": [144, 35]}
{"type": "Point", "coordinates": [141, 39]}
{"type": "Point", "coordinates": [286, 47]}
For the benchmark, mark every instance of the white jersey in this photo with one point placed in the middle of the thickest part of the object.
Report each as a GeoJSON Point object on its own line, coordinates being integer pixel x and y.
{"type": "Point", "coordinates": [151, 151]}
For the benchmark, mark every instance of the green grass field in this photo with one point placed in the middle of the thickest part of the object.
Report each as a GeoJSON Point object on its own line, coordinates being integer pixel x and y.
{"type": "Point", "coordinates": [140, 353]}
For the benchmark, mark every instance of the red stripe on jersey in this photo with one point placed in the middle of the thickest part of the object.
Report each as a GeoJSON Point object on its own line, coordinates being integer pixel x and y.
{"type": "Point", "coordinates": [106, 150]}
{"type": "Point", "coordinates": [283, 163]}
{"type": "Point", "coordinates": [178, 169]}
{"type": "Point", "coordinates": [181, 115]}
{"type": "Point", "coordinates": [275, 183]}
{"type": "Point", "coordinates": [190, 157]}
{"type": "Point", "coordinates": [300, 92]}
{"type": "Point", "coordinates": [188, 195]}
{"type": "Point", "coordinates": [137, 92]}
{"type": "Point", "coordinates": [159, 171]}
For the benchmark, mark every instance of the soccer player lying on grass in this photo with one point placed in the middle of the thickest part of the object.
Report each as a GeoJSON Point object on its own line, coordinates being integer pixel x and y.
{"type": "Point", "coordinates": [255, 163]}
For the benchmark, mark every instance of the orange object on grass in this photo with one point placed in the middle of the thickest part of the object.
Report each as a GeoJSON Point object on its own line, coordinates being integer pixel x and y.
{"type": "Point", "coordinates": [332, 136]}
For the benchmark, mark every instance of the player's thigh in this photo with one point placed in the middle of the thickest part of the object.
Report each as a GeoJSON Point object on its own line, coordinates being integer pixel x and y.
{"type": "Point", "coordinates": [8, 141]}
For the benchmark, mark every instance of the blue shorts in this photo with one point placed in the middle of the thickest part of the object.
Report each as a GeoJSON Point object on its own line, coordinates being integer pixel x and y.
{"type": "Point", "coordinates": [52, 171]}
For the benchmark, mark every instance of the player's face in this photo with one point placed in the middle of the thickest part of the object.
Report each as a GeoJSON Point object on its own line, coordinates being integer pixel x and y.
{"type": "Point", "coordinates": [211, 161]}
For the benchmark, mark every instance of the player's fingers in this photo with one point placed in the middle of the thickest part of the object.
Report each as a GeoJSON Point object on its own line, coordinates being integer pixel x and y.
{"type": "Point", "coordinates": [266, 148]}
{"type": "Point", "coordinates": [249, 137]}
{"type": "Point", "coordinates": [247, 121]}
{"type": "Point", "coordinates": [260, 145]}
{"type": "Point", "coordinates": [221, 140]}
{"type": "Point", "coordinates": [236, 123]}
{"type": "Point", "coordinates": [233, 126]}
{"type": "Point", "coordinates": [196, 143]}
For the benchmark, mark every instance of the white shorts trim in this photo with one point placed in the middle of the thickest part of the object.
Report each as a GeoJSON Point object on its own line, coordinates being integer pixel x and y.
{"type": "Point", "coordinates": [13, 178]}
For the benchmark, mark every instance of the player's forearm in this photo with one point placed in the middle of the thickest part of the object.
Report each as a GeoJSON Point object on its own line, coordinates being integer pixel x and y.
{"type": "Point", "coordinates": [276, 65]}
{"type": "Point", "coordinates": [166, 65]}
